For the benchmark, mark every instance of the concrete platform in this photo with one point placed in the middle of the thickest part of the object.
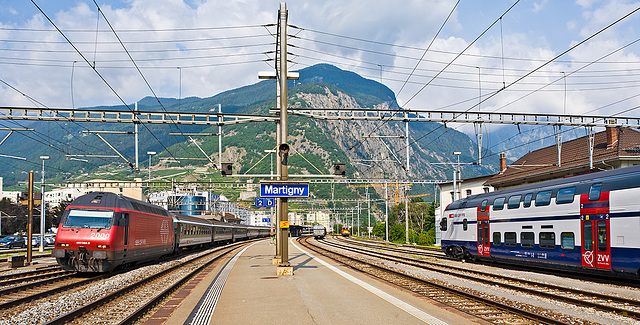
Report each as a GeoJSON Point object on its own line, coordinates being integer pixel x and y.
{"type": "Point", "coordinates": [321, 291]}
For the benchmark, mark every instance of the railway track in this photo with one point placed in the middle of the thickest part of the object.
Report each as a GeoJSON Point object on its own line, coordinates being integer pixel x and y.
{"type": "Point", "coordinates": [139, 298]}
{"type": "Point", "coordinates": [622, 306]}
{"type": "Point", "coordinates": [494, 309]}
{"type": "Point", "coordinates": [28, 276]}
{"type": "Point", "coordinates": [422, 251]}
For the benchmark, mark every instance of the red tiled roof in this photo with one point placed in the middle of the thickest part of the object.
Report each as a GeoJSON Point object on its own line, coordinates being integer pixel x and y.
{"type": "Point", "coordinates": [542, 164]}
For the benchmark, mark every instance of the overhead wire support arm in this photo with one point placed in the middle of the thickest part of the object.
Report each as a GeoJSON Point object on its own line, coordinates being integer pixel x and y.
{"type": "Point", "coordinates": [116, 151]}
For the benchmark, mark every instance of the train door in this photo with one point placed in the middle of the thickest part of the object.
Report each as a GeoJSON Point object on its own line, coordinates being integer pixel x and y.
{"type": "Point", "coordinates": [483, 229]}
{"type": "Point", "coordinates": [594, 228]}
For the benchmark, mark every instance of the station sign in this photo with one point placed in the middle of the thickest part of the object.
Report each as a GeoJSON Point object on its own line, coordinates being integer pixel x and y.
{"type": "Point", "coordinates": [284, 190]}
{"type": "Point", "coordinates": [266, 220]}
{"type": "Point", "coordinates": [262, 202]}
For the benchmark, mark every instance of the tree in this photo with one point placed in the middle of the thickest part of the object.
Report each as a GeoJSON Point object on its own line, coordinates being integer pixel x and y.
{"type": "Point", "coordinates": [379, 230]}
{"type": "Point", "coordinates": [396, 233]}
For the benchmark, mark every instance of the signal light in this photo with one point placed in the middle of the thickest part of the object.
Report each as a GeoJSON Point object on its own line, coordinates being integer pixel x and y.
{"type": "Point", "coordinates": [227, 169]}
{"type": "Point", "coordinates": [338, 169]}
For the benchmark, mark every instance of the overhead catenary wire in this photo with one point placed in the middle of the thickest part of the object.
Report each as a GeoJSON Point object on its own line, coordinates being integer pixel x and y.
{"type": "Point", "coordinates": [100, 75]}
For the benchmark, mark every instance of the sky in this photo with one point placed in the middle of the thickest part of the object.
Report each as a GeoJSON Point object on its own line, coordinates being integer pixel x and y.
{"type": "Point", "coordinates": [176, 48]}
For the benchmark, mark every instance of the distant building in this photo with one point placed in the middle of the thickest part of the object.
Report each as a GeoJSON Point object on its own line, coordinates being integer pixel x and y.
{"type": "Point", "coordinates": [261, 218]}
{"type": "Point", "coordinates": [296, 219]}
{"type": "Point", "coordinates": [67, 194]}
{"type": "Point", "coordinates": [319, 217]}
{"type": "Point", "coordinates": [12, 196]}
{"type": "Point", "coordinates": [613, 148]}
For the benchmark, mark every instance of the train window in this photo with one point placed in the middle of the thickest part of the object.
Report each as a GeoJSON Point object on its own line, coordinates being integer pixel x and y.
{"type": "Point", "coordinates": [443, 224]}
{"type": "Point", "coordinates": [594, 192]}
{"type": "Point", "coordinates": [587, 236]}
{"type": "Point", "coordinates": [486, 235]}
{"type": "Point", "coordinates": [547, 239]}
{"type": "Point", "coordinates": [464, 224]}
{"type": "Point", "coordinates": [543, 198]}
{"type": "Point", "coordinates": [510, 239]}
{"type": "Point", "coordinates": [602, 235]}
{"type": "Point", "coordinates": [496, 238]}
{"type": "Point", "coordinates": [483, 206]}
{"type": "Point", "coordinates": [514, 202]}
{"type": "Point", "coordinates": [498, 204]}
{"type": "Point", "coordinates": [527, 200]}
{"type": "Point", "coordinates": [526, 239]}
{"type": "Point", "coordinates": [567, 240]}
{"type": "Point", "coordinates": [565, 195]}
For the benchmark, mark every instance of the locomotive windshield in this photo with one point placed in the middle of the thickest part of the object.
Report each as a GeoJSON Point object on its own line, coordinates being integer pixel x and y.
{"type": "Point", "coordinates": [80, 218]}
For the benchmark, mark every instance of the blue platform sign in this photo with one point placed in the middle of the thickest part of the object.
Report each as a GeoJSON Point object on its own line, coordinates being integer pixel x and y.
{"type": "Point", "coordinates": [265, 202]}
{"type": "Point", "coordinates": [284, 190]}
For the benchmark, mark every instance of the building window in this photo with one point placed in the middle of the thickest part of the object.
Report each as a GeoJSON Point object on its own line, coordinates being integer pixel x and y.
{"type": "Point", "coordinates": [468, 192]}
{"type": "Point", "coordinates": [452, 197]}
{"type": "Point", "coordinates": [485, 189]}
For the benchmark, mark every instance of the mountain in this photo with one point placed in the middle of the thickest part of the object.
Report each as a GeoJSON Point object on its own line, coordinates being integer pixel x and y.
{"type": "Point", "coordinates": [316, 144]}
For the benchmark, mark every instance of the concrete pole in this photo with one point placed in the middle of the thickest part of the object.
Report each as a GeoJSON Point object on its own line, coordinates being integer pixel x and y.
{"type": "Point", "coordinates": [368, 211]}
{"type": "Point", "coordinates": [406, 213]}
{"type": "Point", "coordinates": [386, 210]}
{"type": "Point", "coordinates": [30, 220]}
{"type": "Point", "coordinates": [135, 125]}
{"type": "Point", "coordinates": [42, 210]}
{"type": "Point", "coordinates": [220, 119]}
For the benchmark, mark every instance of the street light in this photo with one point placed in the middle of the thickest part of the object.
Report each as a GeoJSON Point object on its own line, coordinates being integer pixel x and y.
{"type": "Point", "coordinates": [150, 153]}
{"type": "Point", "coordinates": [42, 211]}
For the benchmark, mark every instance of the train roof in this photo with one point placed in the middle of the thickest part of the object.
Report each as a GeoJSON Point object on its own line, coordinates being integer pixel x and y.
{"type": "Point", "coordinates": [191, 219]}
{"type": "Point", "coordinates": [601, 176]}
{"type": "Point", "coordinates": [112, 200]}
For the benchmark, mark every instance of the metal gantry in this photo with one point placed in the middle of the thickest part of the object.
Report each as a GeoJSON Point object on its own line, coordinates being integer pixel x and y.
{"type": "Point", "coordinates": [125, 116]}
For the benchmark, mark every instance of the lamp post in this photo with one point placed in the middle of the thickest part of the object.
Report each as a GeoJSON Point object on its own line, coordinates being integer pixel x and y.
{"type": "Point", "coordinates": [150, 153]}
{"type": "Point", "coordinates": [42, 210]}
{"type": "Point", "coordinates": [455, 176]}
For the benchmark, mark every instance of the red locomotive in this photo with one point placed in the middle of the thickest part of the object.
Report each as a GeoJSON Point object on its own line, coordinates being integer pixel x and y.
{"type": "Point", "coordinates": [100, 232]}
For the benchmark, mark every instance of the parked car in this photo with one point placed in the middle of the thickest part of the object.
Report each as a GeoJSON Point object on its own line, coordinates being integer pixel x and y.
{"type": "Point", "coordinates": [13, 242]}
{"type": "Point", "coordinates": [49, 240]}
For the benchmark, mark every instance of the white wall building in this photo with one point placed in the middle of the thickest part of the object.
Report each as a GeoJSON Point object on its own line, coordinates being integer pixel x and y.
{"type": "Point", "coordinates": [261, 218]}
{"type": "Point", "coordinates": [320, 217]}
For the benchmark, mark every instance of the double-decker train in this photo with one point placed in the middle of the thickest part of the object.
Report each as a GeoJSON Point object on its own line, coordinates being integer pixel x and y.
{"type": "Point", "coordinates": [587, 223]}
{"type": "Point", "coordinates": [101, 231]}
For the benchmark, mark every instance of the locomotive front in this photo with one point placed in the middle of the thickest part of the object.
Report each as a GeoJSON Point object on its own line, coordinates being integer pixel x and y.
{"type": "Point", "coordinates": [86, 239]}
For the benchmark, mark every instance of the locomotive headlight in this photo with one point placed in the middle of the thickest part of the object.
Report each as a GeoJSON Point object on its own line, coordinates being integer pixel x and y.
{"type": "Point", "coordinates": [100, 255]}
{"type": "Point", "coordinates": [63, 245]}
{"type": "Point", "coordinates": [103, 246]}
